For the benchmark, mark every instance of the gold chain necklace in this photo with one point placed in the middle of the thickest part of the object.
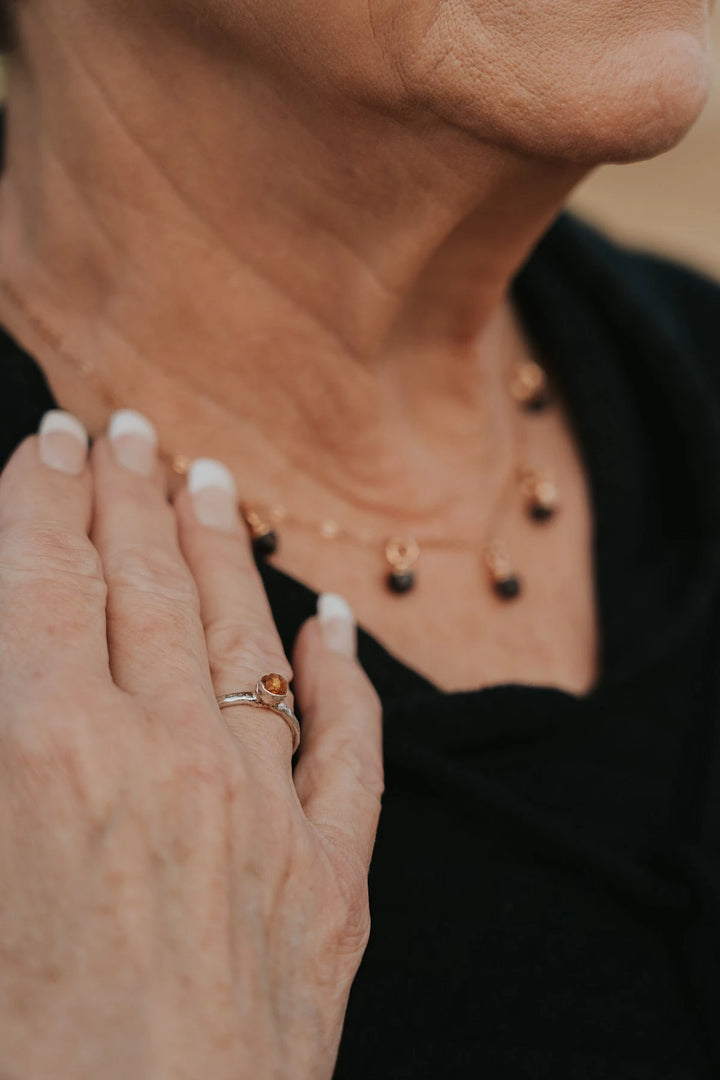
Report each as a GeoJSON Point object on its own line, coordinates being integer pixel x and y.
{"type": "Point", "coordinates": [529, 389]}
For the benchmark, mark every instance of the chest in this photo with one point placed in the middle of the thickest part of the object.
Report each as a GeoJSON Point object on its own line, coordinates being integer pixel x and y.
{"type": "Point", "coordinates": [453, 628]}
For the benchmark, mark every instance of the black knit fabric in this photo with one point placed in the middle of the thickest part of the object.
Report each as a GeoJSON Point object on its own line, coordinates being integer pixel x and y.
{"type": "Point", "coordinates": [545, 888]}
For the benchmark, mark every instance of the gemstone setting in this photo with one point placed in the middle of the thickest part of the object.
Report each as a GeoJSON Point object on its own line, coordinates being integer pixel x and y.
{"type": "Point", "coordinates": [272, 689]}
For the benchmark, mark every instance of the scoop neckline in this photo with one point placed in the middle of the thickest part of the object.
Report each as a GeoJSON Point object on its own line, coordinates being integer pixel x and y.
{"type": "Point", "coordinates": [387, 667]}
{"type": "Point", "coordinates": [587, 331]}
{"type": "Point", "coordinates": [576, 315]}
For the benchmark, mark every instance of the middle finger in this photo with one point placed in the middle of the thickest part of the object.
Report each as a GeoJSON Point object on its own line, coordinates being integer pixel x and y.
{"type": "Point", "coordinates": [155, 634]}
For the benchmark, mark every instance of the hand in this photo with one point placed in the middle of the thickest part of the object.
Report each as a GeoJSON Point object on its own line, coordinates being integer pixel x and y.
{"type": "Point", "coordinates": [175, 902]}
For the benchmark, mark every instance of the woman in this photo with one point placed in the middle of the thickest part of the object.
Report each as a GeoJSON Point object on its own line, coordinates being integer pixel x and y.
{"type": "Point", "coordinates": [290, 254]}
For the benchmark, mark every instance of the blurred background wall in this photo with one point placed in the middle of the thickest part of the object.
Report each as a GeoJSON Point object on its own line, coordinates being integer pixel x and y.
{"type": "Point", "coordinates": [672, 203]}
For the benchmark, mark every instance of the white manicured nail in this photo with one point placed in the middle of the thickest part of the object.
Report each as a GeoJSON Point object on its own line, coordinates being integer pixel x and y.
{"type": "Point", "coordinates": [337, 621]}
{"type": "Point", "coordinates": [214, 495]}
{"type": "Point", "coordinates": [134, 441]}
{"type": "Point", "coordinates": [63, 442]}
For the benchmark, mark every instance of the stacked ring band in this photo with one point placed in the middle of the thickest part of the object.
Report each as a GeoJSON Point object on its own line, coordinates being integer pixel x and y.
{"type": "Point", "coordinates": [270, 693]}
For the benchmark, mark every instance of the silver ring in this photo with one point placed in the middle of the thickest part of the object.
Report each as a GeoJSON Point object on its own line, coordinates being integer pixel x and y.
{"type": "Point", "coordinates": [270, 693]}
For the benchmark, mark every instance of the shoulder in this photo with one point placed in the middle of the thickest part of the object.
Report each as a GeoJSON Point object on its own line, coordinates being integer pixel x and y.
{"type": "Point", "coordinates": [643, 296]}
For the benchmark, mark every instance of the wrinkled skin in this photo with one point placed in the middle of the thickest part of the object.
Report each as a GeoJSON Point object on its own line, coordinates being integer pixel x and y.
{"type": "Point", "coordinates": [174, 902]}
{"type": "Point", "coordinates": [586, 82]}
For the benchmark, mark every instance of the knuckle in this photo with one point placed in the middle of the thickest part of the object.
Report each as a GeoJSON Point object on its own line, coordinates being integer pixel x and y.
{"type": "Point", "coordinates": [357, 926]}
{"type": "Point", "coordinates": [147, 569]}
{"type": "Point", "coordinates": [361, 765]}
{"type": "Point", "coordinates": [347, 906]}
{"type": "Point", "coordinates": [232, 644]}
{"type": "Point", "coordinates": [352, 922]}
{"type": "Point", "coordinates": [47, 552]}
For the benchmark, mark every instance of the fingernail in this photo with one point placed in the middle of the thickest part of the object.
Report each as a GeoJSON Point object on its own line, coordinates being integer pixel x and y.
{"type": "Point", "coordinates": [214, 494]}
{"type": "Point", "coordinates": [63, 442]}
{"type": "Point", "coordinates": [134, 441]}
{"type": "Point", "coordinates": [337, 622]}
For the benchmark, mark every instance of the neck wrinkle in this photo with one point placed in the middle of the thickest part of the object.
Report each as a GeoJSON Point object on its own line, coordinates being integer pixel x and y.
{"type": "Point", "coordinates": [189, 208]}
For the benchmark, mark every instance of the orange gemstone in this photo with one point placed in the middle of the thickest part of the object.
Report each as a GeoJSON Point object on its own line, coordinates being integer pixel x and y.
{"type": "Point", "coordinates": [275, 684]}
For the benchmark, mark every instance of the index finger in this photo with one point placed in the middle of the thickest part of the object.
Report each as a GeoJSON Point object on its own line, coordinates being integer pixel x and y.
{"type": "Point", "coordinates": [52, 592]}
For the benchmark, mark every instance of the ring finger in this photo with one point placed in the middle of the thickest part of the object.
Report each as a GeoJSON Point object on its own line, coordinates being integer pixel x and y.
{"type": "Point", "coordinates": [240, 633]}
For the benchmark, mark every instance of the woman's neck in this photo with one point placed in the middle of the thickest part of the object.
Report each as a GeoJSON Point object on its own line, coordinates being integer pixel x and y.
{"type": "Point", "coordinates": [279, 251]}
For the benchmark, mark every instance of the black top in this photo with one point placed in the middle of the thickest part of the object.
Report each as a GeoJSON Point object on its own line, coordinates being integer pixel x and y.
{"type": "Point", "coordinates": [545, 888]}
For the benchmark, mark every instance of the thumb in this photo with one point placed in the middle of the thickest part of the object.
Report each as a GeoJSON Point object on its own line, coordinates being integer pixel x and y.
{"type": "Point", "coordinates": [339, 774]}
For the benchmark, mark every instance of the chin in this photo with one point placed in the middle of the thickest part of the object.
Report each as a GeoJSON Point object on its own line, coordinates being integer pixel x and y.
{"type": "Point", "coordinates": [619, 102]}
{"type": "Point", "coordinates": [651, 96]}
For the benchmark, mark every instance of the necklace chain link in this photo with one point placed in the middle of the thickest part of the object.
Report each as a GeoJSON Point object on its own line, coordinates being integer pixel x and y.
{"type": "Point", "coordinates": [529, 390]}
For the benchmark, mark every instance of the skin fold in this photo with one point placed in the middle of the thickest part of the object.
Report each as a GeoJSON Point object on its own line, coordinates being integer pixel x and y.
{"type": "Point", "coordinates": [336, 196]}
{"type": "Point", "coordinates": [176, 901]}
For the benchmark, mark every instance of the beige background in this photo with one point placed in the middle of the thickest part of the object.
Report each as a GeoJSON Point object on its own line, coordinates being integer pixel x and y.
{"type": "Point", "coordinates": [672, 203]}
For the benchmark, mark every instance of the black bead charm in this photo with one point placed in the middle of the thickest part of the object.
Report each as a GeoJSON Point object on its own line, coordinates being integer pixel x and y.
{"type": "Point", "coordinates": [505, 582]}
{"type": "Point", "coordinates": [401, 581]}
{"type": "Point", "coordinates": [541, 513]}
{"type": "Point", "coordinates": [541, 497]}
{"type": "Point", "coordinates": [264, 539]}
{"type": "Point", "coordinates": [508, 588]}
{"type": "Point", "coordinates": [265, 544]}
{"type": "Point", "coordinates": [539, 403]}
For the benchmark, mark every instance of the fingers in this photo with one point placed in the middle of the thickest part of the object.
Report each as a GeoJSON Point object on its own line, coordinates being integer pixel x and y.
{"type": "Point", "coordinates": [339, 776]}
{"type": "Point", "coordinates": [241, 638]}
{"type": "Point", "coordinates": [52, 593]}
{"type": "Point", "coordinates": [155, 636]}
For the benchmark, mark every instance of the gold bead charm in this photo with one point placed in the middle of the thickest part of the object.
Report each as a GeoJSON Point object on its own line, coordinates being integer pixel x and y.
{"type": "Point", "coordinates": [402, 555]}
{"type": "Point", "coordinates": [541, 496]}
{"type": "Point", "coordinates": [264, 538]}
{"type": "Point", "coordinates": [180, 464]}
{"type": "Point", "coordinates": [529, 387]}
